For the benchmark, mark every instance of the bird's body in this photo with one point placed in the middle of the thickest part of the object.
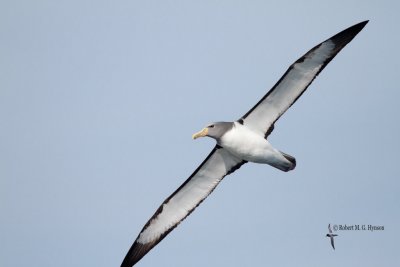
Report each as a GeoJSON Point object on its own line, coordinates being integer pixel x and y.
{"type": "Point", "coordinates": [331, 236]}
{"type": "Point", "coordinates": [239, 142]}
{"type": "Point", "coordinates": [251, 146]}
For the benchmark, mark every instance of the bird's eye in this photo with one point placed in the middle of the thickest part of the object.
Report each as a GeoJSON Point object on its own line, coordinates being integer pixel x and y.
{"type": "Point", "coordinates": [211, 126]}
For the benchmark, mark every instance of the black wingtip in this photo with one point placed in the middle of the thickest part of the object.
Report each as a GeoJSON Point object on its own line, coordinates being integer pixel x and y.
{"type": "Point", "coordinates": [359, 26]}
{"type": "Point", "coordinates": [345, 36]}
{"type": "Point", "coordinates": [135, 254]}
{"type": "Point", "coordinates": [363, 23]}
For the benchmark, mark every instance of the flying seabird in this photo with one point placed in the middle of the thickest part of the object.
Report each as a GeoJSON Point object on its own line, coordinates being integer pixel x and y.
{"type": "Point", "coordinates": [239, 142]}
{"type": "Point", "coordinates": [331, 236]}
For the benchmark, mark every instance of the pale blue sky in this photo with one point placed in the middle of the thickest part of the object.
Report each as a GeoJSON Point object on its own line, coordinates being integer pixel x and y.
{"type": "Point", "coordinates": [99, 99]}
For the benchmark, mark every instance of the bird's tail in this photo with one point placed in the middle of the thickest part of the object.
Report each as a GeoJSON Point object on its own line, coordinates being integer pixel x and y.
{"type": "Point", "coordinates": [289, 165]}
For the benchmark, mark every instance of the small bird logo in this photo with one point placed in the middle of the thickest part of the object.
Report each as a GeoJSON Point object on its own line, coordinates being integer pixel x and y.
{"type": "Point", "coordinates": [331, 236]}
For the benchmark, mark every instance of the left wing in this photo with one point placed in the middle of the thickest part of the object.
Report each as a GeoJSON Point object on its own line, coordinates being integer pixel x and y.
{"type": "Point", "coordinates": [295, 81]}
{"type": "Point", "coordinates": [183, 201]}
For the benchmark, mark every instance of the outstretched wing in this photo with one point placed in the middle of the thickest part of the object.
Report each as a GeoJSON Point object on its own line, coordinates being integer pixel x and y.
{"type": "Point", "coordinates": [332, 242]}
{"type": "Point", "coordinates": [329, 228]}
{"type": "Point", "coordinates": [296, 80]}
{"type": "Point", "coordinates": [183, 201]}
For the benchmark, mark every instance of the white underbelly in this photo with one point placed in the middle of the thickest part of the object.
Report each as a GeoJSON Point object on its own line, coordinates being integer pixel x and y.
{"type": "Point", "coordinates": [249, 146]}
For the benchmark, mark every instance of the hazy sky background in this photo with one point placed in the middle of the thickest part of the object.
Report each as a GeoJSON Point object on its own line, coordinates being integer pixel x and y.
{"type": "Point", "coordinates": [99, 99]}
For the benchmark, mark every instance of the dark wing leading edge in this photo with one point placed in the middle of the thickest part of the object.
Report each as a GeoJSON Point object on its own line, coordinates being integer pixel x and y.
{"type": "Point", "coordinates": [296, 80]}
{"type": "Point", "coordinates": [183, 201]}
{"type": "Point", "coordinates": [332, 242]}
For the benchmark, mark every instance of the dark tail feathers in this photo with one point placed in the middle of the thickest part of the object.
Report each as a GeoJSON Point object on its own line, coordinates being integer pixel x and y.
{"type": "Point", "coordinates": [292, 161]}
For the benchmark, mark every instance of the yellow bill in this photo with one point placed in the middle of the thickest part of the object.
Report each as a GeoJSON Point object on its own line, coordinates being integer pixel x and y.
{"type": "Point", "coordinates": [202, 133]}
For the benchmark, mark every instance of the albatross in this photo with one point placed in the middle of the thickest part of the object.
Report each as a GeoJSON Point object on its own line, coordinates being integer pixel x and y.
{"type": "Point", "coordinates": [331, 236]}
{"type": "Point", "coordinates": [239, 142]}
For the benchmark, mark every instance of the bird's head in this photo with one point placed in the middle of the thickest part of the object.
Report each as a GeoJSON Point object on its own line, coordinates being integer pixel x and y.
{"type": "Point", "coordinates": [214, 130]}
{"type": "Point", "coordinates": [327, 235]}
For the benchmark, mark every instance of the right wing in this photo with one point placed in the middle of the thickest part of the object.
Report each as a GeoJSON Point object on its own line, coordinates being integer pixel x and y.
{"type": "Point", "coordinates": [183, 201]}
{"type": "Point", "coordinates": [332, 242]}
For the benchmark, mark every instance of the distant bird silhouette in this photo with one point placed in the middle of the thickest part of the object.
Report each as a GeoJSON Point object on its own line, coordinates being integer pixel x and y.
{"type": "Point", "coordinates": [331, 236]}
